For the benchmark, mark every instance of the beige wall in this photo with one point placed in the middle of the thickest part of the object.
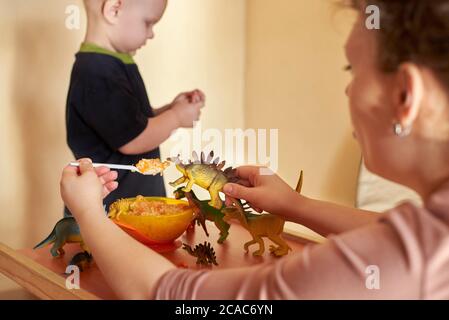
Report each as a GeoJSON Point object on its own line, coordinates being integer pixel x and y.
{"type": "Point", "coordinates": [36, 56]}
{"type": "Point", "coordinates": [295, 83]}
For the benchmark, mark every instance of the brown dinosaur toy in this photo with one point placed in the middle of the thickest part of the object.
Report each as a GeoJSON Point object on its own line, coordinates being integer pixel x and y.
{"type": "Point", "coordinates": [204, 253]}
{"type": "Point", "coordinates": [260, 225]}
{"type": "Point", "coordinates": [205, 173]}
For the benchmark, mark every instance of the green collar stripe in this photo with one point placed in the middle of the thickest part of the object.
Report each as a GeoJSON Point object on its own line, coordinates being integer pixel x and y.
{"type": "Point", "coordinates": [92, 48]}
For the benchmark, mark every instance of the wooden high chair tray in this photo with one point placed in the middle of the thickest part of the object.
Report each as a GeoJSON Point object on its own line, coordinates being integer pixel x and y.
{"type": "Point", "coordinates": [41, 274]}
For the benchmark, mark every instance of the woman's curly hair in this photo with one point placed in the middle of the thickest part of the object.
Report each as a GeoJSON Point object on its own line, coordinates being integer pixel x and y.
{"type": "Point", "coordinates": [414, 31]}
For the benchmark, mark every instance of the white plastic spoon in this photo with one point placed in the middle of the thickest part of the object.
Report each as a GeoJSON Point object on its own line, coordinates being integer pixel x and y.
{"type": "Point", "coordinates": [111, 166]}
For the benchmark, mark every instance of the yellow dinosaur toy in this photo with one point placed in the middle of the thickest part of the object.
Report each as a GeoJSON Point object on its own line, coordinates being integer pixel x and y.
{"type": "Point", "coordinates": [205, 173]}
{"type": "Point", "coordinates": [260, 225]}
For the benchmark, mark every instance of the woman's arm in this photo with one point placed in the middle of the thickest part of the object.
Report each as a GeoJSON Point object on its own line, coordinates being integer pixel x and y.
{"type": "Point", "coordinates": [131, 269]}
{"type": "Point", "coordinates": [366, 263]}
{"type": "Point", "coordinates": [270, 193]}
{"type": "Point", "coordinates": [327, 218]}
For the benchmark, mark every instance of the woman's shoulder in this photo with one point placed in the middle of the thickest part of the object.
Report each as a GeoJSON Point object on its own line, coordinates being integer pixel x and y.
{"type": "Point", "coordinates": [426, 222]}
{"type": "Point", "coordinates": [422, 237]}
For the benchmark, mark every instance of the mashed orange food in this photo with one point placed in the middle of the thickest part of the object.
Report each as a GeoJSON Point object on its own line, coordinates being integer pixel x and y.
{"type": "Point", "coordinates": [152, 166]}
{"type": "Point", "coordinates": [142, 207]}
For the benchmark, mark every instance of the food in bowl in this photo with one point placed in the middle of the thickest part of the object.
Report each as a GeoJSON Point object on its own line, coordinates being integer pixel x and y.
{"type": "Point", "coordinates": [160, 220]}
{"type": "Point", "coordinates": [142, 207]}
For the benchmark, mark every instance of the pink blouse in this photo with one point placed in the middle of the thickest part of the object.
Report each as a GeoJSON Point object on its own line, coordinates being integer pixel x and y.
{"type": "Point", "coordinates": [403, 256]}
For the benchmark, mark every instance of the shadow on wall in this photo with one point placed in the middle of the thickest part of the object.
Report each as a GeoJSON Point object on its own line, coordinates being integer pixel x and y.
{"type": "Point", "coordinates": [41, 75]}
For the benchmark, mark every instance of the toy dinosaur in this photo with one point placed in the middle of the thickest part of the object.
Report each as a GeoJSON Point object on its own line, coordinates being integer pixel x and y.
{"type": "Point", "coordinates": [205, 173]}
{"type": "Point", "coordinates": [82, 260]}
{"type": "Point", "coordinates": [204, 253]}
{"type": "Point", "coordinates": [205, 212]}
{"type": "Point", "coordinates": [65, 231]}
{"type": "Point", "coordinates": [260, 225]}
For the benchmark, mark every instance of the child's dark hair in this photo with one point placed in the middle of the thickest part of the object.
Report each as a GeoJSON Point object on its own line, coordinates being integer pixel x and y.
{"type": "Point", "coordinates": [414, 31]}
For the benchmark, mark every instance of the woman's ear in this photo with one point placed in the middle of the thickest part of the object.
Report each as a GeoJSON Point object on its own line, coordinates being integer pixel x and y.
{"type": "Point", "coordinates": [408, 94]}
{"type": "Point", "coordinates": [111, 10]}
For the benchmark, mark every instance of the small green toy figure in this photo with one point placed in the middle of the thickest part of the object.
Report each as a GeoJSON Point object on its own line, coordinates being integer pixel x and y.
{"type": "Point", "coordinates": [204, 253]}
{"type": "Point", "coordinates": [65, 231]}
{"type": "Point", "coordinates": [205, 173]}
{"type": "Point", "coordinates": [204, 212]}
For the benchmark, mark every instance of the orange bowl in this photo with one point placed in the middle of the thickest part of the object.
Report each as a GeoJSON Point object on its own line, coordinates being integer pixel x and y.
{"type": "Point", "coordinates": [153, 229]}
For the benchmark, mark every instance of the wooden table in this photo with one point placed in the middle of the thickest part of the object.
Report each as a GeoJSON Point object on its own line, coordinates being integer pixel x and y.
{"type": "Point", "coordinates": [44, 276]}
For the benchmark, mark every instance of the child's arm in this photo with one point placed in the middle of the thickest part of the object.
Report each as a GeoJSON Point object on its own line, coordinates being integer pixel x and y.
{"type": "Point", "coordinates": [181, 113]}
{"type": "Point", "coordinates": [272, 194]}
{"type": "Point", "coordinates": [131, 269]}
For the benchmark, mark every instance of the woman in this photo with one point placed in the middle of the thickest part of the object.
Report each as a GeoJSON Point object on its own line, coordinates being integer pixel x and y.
{"type": "Point", "coordinates": [399, 104]}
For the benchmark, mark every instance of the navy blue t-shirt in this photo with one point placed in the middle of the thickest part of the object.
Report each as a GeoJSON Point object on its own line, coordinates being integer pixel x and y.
{"type": "Point", "coordinates": [107, 107]}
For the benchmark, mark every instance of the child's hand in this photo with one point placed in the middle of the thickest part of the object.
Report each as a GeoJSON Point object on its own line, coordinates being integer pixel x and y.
{"type": "Point", "coordinates": [262, 191]}
{"type": "Point", "coordinates": [195, 96]}
{"type": "Point", "coordinates": [187, 107]}
{"type": "Point", "coordinates": [84, 188]}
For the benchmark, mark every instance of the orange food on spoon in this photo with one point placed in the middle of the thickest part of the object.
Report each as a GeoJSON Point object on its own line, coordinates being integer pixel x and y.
{"type": "Point", "coordinates": [152, 166]}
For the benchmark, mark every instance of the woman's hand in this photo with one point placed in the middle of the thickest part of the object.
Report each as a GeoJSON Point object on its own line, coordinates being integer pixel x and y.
{"type": "Point", "coordinates": [264, 190]}
{"type": "Point", "coordinates": [84, 188]}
